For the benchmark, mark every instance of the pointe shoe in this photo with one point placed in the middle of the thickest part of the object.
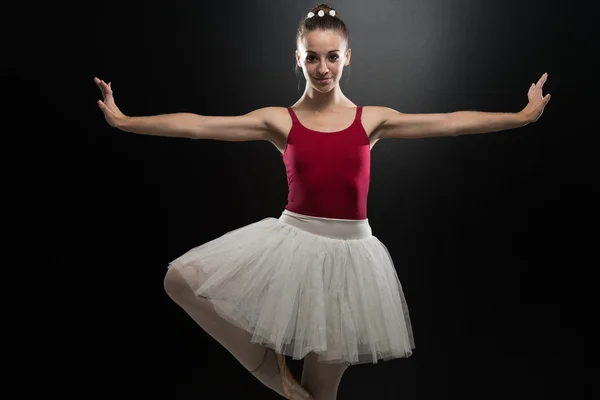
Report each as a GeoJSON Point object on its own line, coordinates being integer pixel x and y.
{"type": "Point", "coordinates": [291, 387]}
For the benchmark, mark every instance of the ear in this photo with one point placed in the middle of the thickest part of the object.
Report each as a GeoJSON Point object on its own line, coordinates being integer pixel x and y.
{"type": "Point", "coordinates": [298, 59]}
{"type": "Point", "coordinates": [348, 55]}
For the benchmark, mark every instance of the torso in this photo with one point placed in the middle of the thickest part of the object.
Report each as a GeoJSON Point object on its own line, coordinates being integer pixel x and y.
{"type": "Point", "coordinates": [332, 121]}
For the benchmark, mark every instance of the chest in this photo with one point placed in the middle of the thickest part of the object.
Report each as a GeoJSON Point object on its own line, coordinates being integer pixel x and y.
{"type": "Point", "coordinates": [326, 122]}
{"type": "Point", "coordinates": [323, 154]}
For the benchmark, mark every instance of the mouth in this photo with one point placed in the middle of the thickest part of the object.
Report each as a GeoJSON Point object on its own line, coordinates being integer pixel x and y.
{"type": "Point", "coordinates": [324, 81]}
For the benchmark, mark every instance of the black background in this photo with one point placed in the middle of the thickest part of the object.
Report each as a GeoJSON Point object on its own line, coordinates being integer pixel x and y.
{"type": "Point", "coordinates": [493, 235]}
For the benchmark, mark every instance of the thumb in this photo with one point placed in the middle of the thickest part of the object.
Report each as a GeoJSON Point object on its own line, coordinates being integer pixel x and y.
{"type": "Point", "coordinates": [102, 106]}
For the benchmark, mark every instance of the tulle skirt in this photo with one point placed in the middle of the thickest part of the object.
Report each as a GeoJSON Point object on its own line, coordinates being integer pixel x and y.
{"type": "Point", "coordinates": [303, 284]}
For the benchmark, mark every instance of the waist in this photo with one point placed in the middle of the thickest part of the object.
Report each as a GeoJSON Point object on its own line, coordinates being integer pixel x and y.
{"type": "Point", "coordinates": [334, 228]}
{"type": "Point", "coordinates": [334, 202]}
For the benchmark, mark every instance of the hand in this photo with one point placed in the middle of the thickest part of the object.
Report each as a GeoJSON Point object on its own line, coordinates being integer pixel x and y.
{"type": "Point", "coordinates": [534, 109]}
{"type": "Point", "coordinates": [111, 112]}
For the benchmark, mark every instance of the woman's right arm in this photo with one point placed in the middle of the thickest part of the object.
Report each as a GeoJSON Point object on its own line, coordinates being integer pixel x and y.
{"type": "Point", "coordinates": [252, 126]}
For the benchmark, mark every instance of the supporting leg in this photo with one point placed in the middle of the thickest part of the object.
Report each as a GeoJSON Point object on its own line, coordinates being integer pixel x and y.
{"type": "Point", "coordinates": [320, 379]}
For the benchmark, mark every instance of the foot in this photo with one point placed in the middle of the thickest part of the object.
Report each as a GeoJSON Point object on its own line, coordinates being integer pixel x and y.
{"type": "Point", "coordinates": [291, 388]}
{"type": "Point", "coordinates": [274, 373]}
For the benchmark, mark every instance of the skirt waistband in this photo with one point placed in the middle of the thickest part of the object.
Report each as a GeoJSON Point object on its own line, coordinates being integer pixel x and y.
{"type": "Point", "coordinates": [333, 228]}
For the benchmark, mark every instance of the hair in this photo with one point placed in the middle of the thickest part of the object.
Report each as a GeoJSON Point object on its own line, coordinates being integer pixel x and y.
{"type": "Point", "coordinates": [326, 22]}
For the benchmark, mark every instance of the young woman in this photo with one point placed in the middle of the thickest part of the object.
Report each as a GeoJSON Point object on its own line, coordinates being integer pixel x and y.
{"type": "Point", "coordinates": [313, 284]}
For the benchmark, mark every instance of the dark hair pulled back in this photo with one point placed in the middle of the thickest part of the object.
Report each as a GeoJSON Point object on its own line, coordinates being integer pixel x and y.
{"type": "Point", "coordinates": [326, 22]}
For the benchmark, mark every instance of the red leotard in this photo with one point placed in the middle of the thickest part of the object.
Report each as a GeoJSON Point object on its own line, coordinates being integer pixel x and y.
{"type": "Point", "coordinates": [328, 173]}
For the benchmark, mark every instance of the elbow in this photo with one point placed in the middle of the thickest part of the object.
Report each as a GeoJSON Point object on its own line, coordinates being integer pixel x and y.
{"type": "Point", "coordinates": [452, 127]}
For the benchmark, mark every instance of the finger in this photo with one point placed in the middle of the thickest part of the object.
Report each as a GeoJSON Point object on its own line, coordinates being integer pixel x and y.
{"type": "Point", "coordinates": [98, 82]}
{"type": "Point", "coordinates": [107, 87]}
{"type": "Point", "coordinates": [531, 88]}
{"type": "Point", "coordinates": [106, 90]}
{"type": "Point", "coordinates": [102, 86]}
{"type": "Point", "coordinates": [543, 80]}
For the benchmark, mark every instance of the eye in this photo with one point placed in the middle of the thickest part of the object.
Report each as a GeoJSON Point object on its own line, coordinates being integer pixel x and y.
{"type": "Point", "coordinates": [333, 57]}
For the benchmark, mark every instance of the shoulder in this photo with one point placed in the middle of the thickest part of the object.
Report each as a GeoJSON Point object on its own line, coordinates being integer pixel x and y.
{"type": "Point", "coordinates": [374, 118]}
{"type": "Point", "coordinates": [271, 115]}
{"type": "Point", "coordinates": [277, 123]}
{"type": "Point", "coordinates": [379, 111]}
{"type": "Point", "coordinates": [276, 119]}
{"type": "Point", "coordinates": [268, 113]}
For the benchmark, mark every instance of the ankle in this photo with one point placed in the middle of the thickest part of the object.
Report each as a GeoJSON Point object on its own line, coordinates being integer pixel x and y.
{"type": "Point", "coordinates": [268, 372]}
{"type": "Point", "coordinates": [253, 371]}
{"type": "Point", "coordinates": [322, 392]}
{"type": "Point", "coordinates": [325, 395]}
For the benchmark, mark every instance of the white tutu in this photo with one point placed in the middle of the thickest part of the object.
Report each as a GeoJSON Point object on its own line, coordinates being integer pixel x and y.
{"type": "Point", "coordinates": [303, 284]}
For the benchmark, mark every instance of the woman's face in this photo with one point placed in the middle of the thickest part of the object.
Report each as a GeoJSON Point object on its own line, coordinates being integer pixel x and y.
{"type": "Point", "coordinates": [322, 56]}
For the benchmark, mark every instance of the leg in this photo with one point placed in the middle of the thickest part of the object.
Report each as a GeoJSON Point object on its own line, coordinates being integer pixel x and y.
{"type": "Point", "coordinates": [253, 357]}
{"type": "Point", "coordinates": [320, 379]}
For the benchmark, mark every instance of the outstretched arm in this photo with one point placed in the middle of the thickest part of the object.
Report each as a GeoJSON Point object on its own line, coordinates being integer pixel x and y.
{"type": "Point", "coordinates": [398, 125]}
{"type": "Point", "coordinates": [252, 126]}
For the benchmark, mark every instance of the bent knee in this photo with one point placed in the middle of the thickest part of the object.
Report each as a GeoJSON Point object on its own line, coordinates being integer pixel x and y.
{"type": "Point", "coordinates": [176, 286]}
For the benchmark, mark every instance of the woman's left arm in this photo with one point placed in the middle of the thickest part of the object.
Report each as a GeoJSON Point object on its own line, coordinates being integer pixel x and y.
{"type": "Point", "coordinates": [394, 124]}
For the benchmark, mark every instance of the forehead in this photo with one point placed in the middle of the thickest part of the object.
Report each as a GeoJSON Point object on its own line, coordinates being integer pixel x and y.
{"type": "Point", "coordinates": [321, 41]}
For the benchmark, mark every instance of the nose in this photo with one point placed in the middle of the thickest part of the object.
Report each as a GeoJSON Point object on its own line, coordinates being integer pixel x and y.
{"type": "Point", "coordinates": [322, 68]}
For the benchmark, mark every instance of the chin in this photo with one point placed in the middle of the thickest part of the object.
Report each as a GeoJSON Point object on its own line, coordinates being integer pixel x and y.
{"type": "Point", "coordinates": [324, 88]}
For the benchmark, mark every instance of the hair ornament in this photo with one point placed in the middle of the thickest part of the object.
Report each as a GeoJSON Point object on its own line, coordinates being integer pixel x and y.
{"type": "Point", "coordinates": [321, 13]}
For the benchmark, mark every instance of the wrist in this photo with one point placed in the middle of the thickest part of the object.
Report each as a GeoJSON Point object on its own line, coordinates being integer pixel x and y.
{"type": "Point", "coordinates": [122, 122]}
{"type": "Point", "coordinates": [522, 118]}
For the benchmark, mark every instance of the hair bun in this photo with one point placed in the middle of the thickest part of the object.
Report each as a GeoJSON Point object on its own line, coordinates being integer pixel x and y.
{"type": "Point", "coordinates": [321, 13]}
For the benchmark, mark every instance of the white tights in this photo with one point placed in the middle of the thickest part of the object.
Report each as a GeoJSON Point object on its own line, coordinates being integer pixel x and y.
{"type": "Point", "coordinates": [320, 379]}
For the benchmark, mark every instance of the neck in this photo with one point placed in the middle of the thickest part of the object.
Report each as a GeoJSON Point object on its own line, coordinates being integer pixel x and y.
{"type": "Point", "coordinates": [315, 100]}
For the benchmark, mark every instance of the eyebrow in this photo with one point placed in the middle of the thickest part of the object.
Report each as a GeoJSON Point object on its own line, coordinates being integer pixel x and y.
{"type": "Point", "coordinates": [330, 51]}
